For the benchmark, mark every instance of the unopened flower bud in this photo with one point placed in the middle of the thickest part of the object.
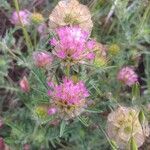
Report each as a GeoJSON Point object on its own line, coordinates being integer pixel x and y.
{"type": "Point", "coordinates": [41, 111]}
{"type": "Point", "coordinates": [37, 18]}
{"type": "Point", "coordinates": [100, 61]}
{"type": "Point", "coordinates": [75, 78]}
{"type": "Point", "coordinates": [52, 111]}
{"type": "Point", "coordinates": [2, 144]}
{"type": "Point", "coordinates": [133, 145]}
{"type": "Point", "coordinates": [141, 117]}
{"type": "Point", "coordinates": [114, 49]}
{"type": "Point", "coordinates": [41, 59]}
{"type": "Point", "coordinates": [26, 147]}
{"type": "Point", "coordinates": [24, 84]}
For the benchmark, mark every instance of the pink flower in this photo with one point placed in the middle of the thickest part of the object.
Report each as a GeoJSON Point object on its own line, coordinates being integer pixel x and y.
{"type": "Point", "coordinates": [24, 17]}
{"type": "Point", "coordinates": [42, 58]}
{"type": "Point", "coordinates": [24, 84]}
{"type": "Point", "coordinates": [72, 44]}
{"type": "Point", "coordinates": [52, 111]}
{"type": "Point", "coordinates": [127, 76]}
{"type": "Point", "coordinates": [69, 98]}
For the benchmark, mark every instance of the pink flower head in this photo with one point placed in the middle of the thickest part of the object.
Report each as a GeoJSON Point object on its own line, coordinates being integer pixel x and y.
{"type": "Point", "coordinates": [69, 97]}
{"type": "Point", "coordinates": [24, 84]}
{"type": "Point", "coordinates": [42, 58]}
{"type": "Point", "coordinates": [127, 76]}
{"type": "Point", "coordinates": [72, 44]}
{"type": "Point", "coordinates": [24, 17]}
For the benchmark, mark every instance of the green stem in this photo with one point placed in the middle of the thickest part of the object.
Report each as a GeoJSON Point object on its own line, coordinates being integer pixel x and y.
{"type": "Point", "coordinates": [25, 33]}
{"type": "Point", "coordinates": [35, 36]}
{"type": "Point", "coordinates": [35, 130]}
{"type": "Point", "coordinates": [108, 139]}
{"type": "Point", "coordinates": [68, 70]}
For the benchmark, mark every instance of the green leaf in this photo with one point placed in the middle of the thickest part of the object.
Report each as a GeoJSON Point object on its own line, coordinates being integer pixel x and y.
{"type": "Point", "coordinates": [84, 120]}
{"type": "Point", "coordinates": [5, 4]}
{"type": "Point", "coordinates": [62, 128]}
{"type": "Point", "coordinates": [113, 145]}
{"type": "Point", "coordinates": [93, 111]}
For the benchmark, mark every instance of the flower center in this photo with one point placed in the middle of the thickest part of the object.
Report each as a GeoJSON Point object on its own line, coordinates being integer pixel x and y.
{"type": "Point", "coordinates": [70, 20]}
{"type": "Point", "coordinates": [128, 129]}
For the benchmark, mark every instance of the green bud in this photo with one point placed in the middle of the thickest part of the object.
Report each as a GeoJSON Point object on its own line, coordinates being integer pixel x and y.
{"type": "Point", "coordinates": [114, 49]}
{"type": "Point", "coordinates": [133, 145]}
{"type": "Point", "coordinates": [141, 117]}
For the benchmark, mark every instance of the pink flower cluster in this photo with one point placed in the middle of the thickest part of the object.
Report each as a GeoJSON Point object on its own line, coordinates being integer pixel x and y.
{"type": "Point", "coordinates": [72, 44]}
{"type": "Point", "coordinates": [127, 76]}
{"type": "Point", "coordinates": [68, 98]}
{"type": "Point", "coordinates": [69, 92]}
{"type": "Point", "coordinates": [24, 17]}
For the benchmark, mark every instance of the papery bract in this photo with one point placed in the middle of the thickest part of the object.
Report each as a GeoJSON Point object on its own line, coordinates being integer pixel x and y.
{"type": "Point", "coordinates": [74, 13]}
{"type": "Point", "coordinates": [124, 122]}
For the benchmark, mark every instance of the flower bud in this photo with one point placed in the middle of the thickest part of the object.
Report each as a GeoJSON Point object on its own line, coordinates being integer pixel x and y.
{"type": "Point", "coordinates": [75, 78]}
{"type": "Point", "coordinates": [24, 84]}
{"type": "Point", "coordinates": [141, 117]}
{"type": "Point", "coordinates": [133, 145]}
{"type": "Point", "coordinates": [52, 111]}
{"type": "Point", "coordinates": [23, 17]}
{"type": "Point", "coordinates": [114, 49]}
{"type": "Point", "coordinates": [2, 144]}
{"type": "Point", "coordinates": [41, 111]}
{"type": "Point", "coordinates": [37, 18]}
{"type": "Point", "coordinates": [41, 59]}
{"type": "Point", "coordinates": [26, 147]}
{"type": "Point", "coordinates": [100, 61]}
